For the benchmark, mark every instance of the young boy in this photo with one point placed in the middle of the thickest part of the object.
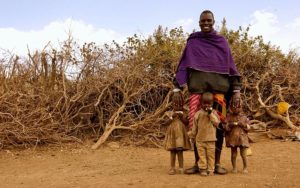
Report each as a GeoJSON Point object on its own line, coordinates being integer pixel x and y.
{"type": "Point", "coordinates": [204, 134]}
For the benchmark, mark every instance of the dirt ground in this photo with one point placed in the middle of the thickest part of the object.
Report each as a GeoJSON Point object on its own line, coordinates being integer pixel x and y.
{"type": "Point", "coordinates": [274, 163]}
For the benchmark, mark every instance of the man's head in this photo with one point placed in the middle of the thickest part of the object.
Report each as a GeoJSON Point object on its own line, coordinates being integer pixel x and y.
{"type": "Point", "coordinates": [206, 21]}
{"type": "Point", "coordinates": [207, 100]}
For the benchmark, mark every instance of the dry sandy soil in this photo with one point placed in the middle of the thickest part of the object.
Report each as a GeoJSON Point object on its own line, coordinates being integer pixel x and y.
{"type": "Point", "coordinates": [274, 163]}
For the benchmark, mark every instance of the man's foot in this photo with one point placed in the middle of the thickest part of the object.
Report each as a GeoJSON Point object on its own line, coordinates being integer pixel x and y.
{"type": "Point", "coordinates": [172, 171]}
{"type": "Point", "coordinates": [203, 173]}
{"type": "Point", "coordinates": [193, 170]}
{"type": "Point", "coordinates": [245, 171]}
{"type": "Point", "coordinates": [234, 170]}
{"type": "Point", "coordinates": [220, 170]}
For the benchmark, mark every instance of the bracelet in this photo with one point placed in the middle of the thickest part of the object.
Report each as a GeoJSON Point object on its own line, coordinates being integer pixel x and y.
{"type": "Point", "coordinates": [236, 91]}
{"type": "Point", "coordinates": [176, 90]}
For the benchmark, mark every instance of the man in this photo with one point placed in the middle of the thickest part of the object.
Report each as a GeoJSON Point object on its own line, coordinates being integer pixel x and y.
{"type": "Point", "coordinates": [206, 65]}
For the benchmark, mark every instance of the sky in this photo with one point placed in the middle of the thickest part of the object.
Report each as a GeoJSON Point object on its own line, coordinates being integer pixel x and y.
{"type": "Point", "coordinates": [32, 24]}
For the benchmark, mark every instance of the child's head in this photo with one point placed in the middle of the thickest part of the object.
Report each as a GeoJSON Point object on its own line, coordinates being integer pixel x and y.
{"type": "Point", "coordinates": [177, 104]}
{"type": "Point", "coordinates": [207, 100]}
{"type": "Point", "coordinates": [235, 105]}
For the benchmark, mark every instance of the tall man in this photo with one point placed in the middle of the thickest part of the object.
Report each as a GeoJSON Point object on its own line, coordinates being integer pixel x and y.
{"type": "Point", "coordinates": [206, 65]}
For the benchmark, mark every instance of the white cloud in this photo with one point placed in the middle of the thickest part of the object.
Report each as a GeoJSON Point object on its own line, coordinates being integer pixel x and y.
{"type": "Point", "coordinates": [186, 24]}
{"type": "Point", "coordinates": [264, 23]}
{"type": "Point", "coordinates": [55, 32]}
{"type": "Point", "coordinates": [295, 24]}
{"type": "Point", "coordinates": [283, 35]}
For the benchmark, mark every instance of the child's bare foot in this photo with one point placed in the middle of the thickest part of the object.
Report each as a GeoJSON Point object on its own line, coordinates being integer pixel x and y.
{"type": "Point", "coordinates": [245, 171]}
{"type": "Point", "coordinates": [172, 171]}
{"type": "Point", "coordinates": [181, 171]}
{"type": "Point", "coordinates": [210, 173]}
{"type": "Point", "coordinates": [203, 173]}
{"type": "Point", "coordinates": [234, 170]}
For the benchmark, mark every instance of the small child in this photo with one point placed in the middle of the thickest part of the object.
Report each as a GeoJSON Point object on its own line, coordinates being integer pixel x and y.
{"type": "Point", "coordinates": [176, 140]}
{"type": "Point", "coordinates": [236, 135]}
{"type": "Point", "coordinates": [203, 132]}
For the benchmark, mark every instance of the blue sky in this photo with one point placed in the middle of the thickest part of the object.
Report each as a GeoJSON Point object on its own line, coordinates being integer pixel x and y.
{"type": "Point", "coordinates": [34, 23]}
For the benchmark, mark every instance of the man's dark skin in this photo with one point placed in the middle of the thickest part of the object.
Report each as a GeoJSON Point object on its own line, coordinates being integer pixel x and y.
{"type": "Point", "coordinates": [206, 23]}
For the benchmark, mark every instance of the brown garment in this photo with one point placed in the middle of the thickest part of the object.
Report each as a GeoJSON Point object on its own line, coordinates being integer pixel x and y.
{"type": "Point", "coordinates": [204, 126]}
{"type": "Point", "coordinates": [206, 151]}
{"type": "Point", "coordinates": [176, 136]}
{"type": "Point", "coordinates": [236, 130]}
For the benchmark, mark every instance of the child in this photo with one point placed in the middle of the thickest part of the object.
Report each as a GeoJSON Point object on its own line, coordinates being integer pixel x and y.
{"type": "Point", "coordinates": [204, 133]}
{"type": "Point", "coordinates": [236, 136]}
{"type": "Point", "coordinates": [176, 140]}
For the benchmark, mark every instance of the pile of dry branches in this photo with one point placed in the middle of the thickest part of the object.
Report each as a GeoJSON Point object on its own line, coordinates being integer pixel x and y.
{"type": "Point", "coordinates": [123, 91]}
{"type": "Point", "coordinates": [269, 77]}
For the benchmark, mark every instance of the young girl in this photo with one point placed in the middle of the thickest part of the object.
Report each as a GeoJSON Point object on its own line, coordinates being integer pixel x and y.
{"type": "Point", "coordinates": [236, 136]}
{"type": "Point", "coordinates": [176, 140]}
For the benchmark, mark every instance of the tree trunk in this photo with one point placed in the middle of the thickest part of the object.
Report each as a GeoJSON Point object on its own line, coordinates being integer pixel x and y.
{"type": "Point", "coordinates": [103, 138]}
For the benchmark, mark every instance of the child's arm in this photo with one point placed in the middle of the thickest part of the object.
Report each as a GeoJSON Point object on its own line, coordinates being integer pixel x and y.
{"type": "Point", "coordinates": [244, 123]}
{"type": "Point", "coordinates": [214, 118]}
{"type": "Point", "coordinates": [227, 126]}
{"type": "Point", "coordinates": [184, 118]}
{"type": "Point", "coordinates": [169, 114]}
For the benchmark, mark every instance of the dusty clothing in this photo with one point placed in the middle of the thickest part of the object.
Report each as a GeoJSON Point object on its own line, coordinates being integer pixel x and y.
{"type": "Point", "coordinates": [176, 136]}
{"type": "Point", "coordinates": [204, 133]}
{"type": "Point", "coordinates": [204, 126]}
{"type": "Point", "coordinates": [219, 105]}
{"type": "Point", "coordinates": [206, 151]}
{"type": "Point", "coordinates": [236, 135]}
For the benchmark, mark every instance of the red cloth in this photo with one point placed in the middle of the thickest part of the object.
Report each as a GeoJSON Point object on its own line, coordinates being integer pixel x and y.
{"type": "Point", "coordinates": [195, 104]}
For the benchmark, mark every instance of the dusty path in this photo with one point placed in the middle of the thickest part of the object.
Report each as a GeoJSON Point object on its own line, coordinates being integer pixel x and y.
{"type": "Point", "coordinates": [273, 164]}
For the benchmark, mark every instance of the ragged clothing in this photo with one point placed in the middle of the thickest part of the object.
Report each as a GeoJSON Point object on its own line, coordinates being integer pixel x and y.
{"type": "Point", "coordinates": [236, 130]}
{"type": "Point", "coordinates": [219, 105]}
{"type": "Point", "coordinates": [176, 135]}
{"type": "Point", "coordinates": [204, 126]}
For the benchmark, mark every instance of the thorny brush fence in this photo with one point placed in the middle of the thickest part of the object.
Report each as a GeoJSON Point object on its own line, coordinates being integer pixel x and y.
{"type": "Point", "coordinates": [123, 91]}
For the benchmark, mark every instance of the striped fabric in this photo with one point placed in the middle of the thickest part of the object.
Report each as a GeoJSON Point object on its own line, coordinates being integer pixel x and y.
{"type": "Point", "coordinates": [194, 104]}
{"type": "Point", "coordinates": [220, 106]}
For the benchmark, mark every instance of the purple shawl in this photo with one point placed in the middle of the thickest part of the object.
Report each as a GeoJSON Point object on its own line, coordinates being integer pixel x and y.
{"type": "Point", "coordinates": [207, 52]}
